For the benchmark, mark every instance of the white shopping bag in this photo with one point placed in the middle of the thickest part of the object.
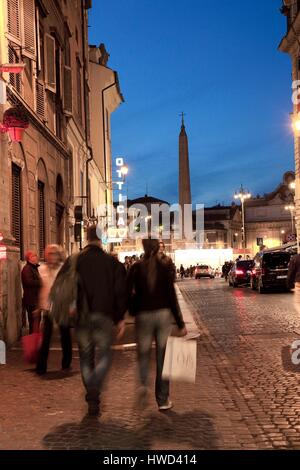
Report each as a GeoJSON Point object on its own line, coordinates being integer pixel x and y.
{"type": "Point", "coordinates": [180, 360]}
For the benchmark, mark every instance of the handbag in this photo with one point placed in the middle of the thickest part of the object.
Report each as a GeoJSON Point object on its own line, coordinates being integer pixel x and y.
{"type": "Point", "coordinates": [31, 345]}
{"type": "Point", "coordinates": [180, 360]}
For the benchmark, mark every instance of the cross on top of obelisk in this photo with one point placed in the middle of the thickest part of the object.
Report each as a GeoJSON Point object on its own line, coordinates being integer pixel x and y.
{"type": "Point", "coordinates": [182, 118]}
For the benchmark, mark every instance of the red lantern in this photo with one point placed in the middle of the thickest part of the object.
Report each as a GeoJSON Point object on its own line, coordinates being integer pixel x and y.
{"type": "Point", "coordinates": [16, 133]}
{"type": "Point", "coordinates": [16, 121]}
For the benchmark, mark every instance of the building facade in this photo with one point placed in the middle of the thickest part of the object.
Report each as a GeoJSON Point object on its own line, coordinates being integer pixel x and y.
{"type": "Point", "coordinates": [105, 98]}
{"type": "Point", "coordinates": [54, 168]}
{"type": "Point", "coordinates": [268, 222]}
{"type": "Point", "coordinates": [290, 45]}
{"type": "Point", "coordinates": [223, 227]}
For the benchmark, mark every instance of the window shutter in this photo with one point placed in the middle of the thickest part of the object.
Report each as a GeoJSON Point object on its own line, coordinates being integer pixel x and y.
{"type": "Point", "coordinates": [16, 214]}
{"type": "Point", "coordinates": [40, 100]}
{"type": "Point", "coordinates": [29, 26]}
{"type": "Point", "coordinates": [13, 19]}
{"type": "Point", "coordinates": [50, 63]}
{"type": "Point", "coordinates": [14, 78]}
{"type": "Point", "coordinates": [41, 221]}
{"type": "Point", "coordinates": [67, 90]}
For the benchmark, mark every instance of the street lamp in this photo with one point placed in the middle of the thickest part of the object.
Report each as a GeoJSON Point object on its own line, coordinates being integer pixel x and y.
{"type": "Point", "coordinates": [291, 208]}
{"type": "Point", "coordinates": [243, 195]}
{"type": "Point", "coordinates": [124, 170]}
{"type": "Point", "coordinates": [292, 185]}
{"type": "Point", "coordinates": [296, 123]}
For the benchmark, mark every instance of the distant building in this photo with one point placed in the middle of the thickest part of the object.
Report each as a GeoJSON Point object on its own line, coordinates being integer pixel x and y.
{"type": "Point", "coordinates": [267, 221]}
{"type": "Point", "coordinates": [223, 227]}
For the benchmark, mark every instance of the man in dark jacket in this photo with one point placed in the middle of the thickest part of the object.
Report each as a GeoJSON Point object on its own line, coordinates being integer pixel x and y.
{"type": "Point", "coordinates": [31, 283]}
{"type": "Point", "coordinates": [294, 271]}
{"type": "Point", "coordinates": [103, 284]}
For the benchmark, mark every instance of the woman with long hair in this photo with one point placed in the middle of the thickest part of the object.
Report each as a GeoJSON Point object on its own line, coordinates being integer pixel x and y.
{"type": "Point", "coordinates": [154, 303]}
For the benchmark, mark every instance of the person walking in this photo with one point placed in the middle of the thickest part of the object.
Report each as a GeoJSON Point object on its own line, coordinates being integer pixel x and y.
{"type": "Point", "coordinates": [48, 273]}
{"type": "Point", "coordinates": [293, 280]}
{"type": "Point", "coordinates": [103, 286]}
{"type": "Point", "coordinates": [181, 271]}
{"type": "Point", "coordinates": [166, 259]}
{"type": "Point", "coordinates": [152, 299]}
{"type": "Point", "coordinates": [31, 282]}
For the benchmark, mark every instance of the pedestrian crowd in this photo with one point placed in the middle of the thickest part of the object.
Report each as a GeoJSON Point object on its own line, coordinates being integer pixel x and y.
{"type": "Point", "coordinates": [91, 291]}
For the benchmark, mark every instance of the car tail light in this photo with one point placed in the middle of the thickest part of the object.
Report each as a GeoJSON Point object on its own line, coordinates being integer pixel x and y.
{"type": "Point", "coordinates": [239, 272]}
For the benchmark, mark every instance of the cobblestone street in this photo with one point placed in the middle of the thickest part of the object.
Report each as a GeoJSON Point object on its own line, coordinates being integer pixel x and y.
{"type": "Point", "coordinates": [246, 396]}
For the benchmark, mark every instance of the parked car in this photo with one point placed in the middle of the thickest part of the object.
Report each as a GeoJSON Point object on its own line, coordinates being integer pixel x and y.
{"type": "Point", "coordinates": [204, 271]}
{"type": "Point", "coordinates": [270, 270]}
{"type": "Point", "coordinates": [240, 273]}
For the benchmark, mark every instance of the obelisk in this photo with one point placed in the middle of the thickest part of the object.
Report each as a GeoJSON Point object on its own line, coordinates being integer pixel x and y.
{"type": "Point", "coordinates": [184, 171]}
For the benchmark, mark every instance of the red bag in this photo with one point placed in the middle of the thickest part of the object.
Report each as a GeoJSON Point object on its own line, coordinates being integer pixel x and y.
{"type": "Point", "coordinates": [31, 346]}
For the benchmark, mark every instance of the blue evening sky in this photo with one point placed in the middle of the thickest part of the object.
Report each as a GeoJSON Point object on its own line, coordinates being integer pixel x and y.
{"type": "Point", "coordinates": [218, 62]}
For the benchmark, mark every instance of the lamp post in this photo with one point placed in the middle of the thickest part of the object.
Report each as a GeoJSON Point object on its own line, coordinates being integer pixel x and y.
{"type": "Point", "coordinates": [243, 195]}
{"type": "Point", "coordinates": [291, 208]}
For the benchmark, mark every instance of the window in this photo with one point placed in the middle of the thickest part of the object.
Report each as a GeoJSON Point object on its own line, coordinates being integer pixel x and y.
{"type": "Point", "coordinates": [21, 25]}
{"type": "Point", "coordinates": [40, 86]}
{"type": "Point", "coordinates": [40, 49]}
{"type": "Point", "coordinates": [14, 19]}
{"type": "Point", "coordinates": [58, 103]}
{"type": "Point", "coordinates": [29, 27]}
{"type": "Point", "coordinates": [79, 90]}
{"type": "Point", "coordinates": [50, 63]}
{"type": "Point", "coordinates": [16, 213]}
{"type": "Point", "coordinates": [67, 72]}
{"type": "Point", "coordinates": [41, 219]}
{"type": "Point", "coordinates": [14, 58]}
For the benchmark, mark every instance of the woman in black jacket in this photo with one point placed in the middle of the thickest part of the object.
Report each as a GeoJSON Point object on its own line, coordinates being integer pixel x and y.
{"type": "Point", "coordinates": [31, 283]}
{"type": "Point", "coordinates": [152, 299]}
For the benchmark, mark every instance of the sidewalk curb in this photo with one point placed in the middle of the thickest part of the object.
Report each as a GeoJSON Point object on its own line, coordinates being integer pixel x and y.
{"type": "Point", "coordinates": [188, 317]}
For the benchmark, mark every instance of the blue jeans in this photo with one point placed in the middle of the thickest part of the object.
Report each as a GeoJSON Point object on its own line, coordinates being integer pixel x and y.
{"type": "Point", "coordinates": [95, 333]}
{"type": "Point", "coordinates": [155, 324]}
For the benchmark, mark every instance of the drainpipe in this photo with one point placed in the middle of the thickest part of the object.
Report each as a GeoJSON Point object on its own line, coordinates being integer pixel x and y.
{"type": "Point", "coordinates": [86, 110]}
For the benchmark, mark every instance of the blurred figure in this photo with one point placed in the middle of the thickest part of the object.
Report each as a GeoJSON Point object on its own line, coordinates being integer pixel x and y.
{"type": "Point", "coordinates": [293, 280]}
{"type": "Point", "coordinates": [103, 286]}
{"type": "Point", "coordinates": [48, 273]}
{"type": "Point", "coordinates": [166, 259]}
{"type": "Point", "coordinates": [31, 282]}
{"type": "Point", "coordinates": [181, 271]}
{"type": "Point", "coordinates": [155, 306]}
{"type": "Point", "coordinates": [127, 263]}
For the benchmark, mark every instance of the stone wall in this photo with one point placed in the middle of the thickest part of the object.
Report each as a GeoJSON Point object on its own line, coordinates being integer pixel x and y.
{"type": "Point", "coordinates": [10, 296]}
